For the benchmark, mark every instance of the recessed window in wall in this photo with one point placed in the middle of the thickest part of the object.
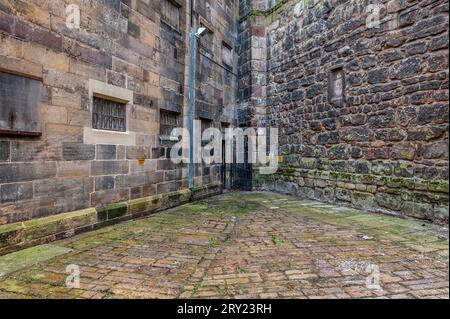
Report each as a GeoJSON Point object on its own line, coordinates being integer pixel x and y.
{"type": "Point", "coordinates": [205, 124]}
{"type": "Point", "coordinates": [168, 121]}
{"type": "Point", "coordinates": [19, 105]}
{"type": "Point", "coordinates": [336, 85]}
{"type": "Point", "coordinates": [109, 115]}
{"type": "Point", "coordinates": [170, 13]}
{"type": "Point", "coordinates": [227, 55]}
{"type": "Point", "coordinates": [207, 40]}
{"type": "Point", "coordinates": [223, 128]}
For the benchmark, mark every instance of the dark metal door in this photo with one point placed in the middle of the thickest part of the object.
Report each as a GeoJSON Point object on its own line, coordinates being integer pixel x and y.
{"type": "Point", "coordinates": [223, 168]}
{"type": "Point", "coordinates": [242, 173]}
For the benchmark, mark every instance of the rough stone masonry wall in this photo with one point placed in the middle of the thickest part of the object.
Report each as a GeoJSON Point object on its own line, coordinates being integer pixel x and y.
{"type": "Point", "coordinates": [385, 148]}
{"type": "Point", "coordinates": [125, 43]}
{"type": "Point", "coordinates": [252, 64]}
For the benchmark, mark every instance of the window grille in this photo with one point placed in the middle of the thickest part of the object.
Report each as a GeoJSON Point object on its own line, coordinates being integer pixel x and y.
{"type": "Point", "coordinates": [168, 121]}
{"type": "Point", "coordinates": [207, 41]}
{"type": "Point", "coordinates": [205, 124]}
{"type": "Point", "coordinates": [227, 55]}
{"type": "Point", "coordinates": [223, 128]}
{"type": "Point", "coordinates": [109, 115]}
{"type": "Point", "coordinates": [171, 14]}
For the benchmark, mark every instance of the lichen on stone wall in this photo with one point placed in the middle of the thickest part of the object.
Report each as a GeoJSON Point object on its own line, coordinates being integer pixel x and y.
{"type": "Point", "coordinates": [391, 125]}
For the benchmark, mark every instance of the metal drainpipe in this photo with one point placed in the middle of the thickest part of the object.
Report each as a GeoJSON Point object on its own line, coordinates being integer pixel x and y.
{"type": "Point", "coordinates": [191, 98]}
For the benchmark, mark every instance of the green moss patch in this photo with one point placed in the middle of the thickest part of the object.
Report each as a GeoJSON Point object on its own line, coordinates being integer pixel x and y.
{"type": "Point", "coordinates": [28, 257]}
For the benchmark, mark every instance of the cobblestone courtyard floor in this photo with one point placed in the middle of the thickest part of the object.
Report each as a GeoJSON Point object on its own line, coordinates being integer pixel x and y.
{"type": "Point", "coordinates": [252, 245]}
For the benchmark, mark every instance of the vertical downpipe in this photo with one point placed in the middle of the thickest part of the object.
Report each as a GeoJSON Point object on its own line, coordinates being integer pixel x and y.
{"type": "Point", "coordinates": [191, 98]}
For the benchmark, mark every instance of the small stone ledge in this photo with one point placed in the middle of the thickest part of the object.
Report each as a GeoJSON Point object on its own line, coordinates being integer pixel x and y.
{"type": "Point", "coordinates": [205, 191]}
{"type": "Point", "coordinates": [14, 237]}
{"type": "Point", "coordinates": [402, 196]}
{"type": "Point", "coordinates": [17, 236]}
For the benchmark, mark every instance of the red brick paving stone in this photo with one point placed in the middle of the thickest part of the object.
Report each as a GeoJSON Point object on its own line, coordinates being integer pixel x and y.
{"type": "Point", "coordinates": [245, 249]}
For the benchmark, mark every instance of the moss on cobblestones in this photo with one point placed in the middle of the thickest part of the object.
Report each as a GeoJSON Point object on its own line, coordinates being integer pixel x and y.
{"type": "Point", "coordinates": [28, 257]}
{"type": "Point", "coordinates": [236, 204]}
{"type": "Point", "coordinates": [252, 245]}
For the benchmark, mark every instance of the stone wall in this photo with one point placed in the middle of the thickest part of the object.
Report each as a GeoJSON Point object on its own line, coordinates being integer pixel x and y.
{"type": "Point", "coordinates": [43, 230]}
{"type": "Point", "coordinates": [384, 146]}
{"type": "Point", "coordinates": [129, 48]}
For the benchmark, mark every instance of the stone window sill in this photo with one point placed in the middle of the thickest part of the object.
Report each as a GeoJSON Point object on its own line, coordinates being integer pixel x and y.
{"type": "Point", "coordinates": [168, 139]}
{"type": "Point", "coordinates": [95, 136]}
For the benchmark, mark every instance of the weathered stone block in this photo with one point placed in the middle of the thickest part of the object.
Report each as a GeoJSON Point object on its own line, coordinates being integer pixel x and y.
{"type": "Point", "coordinates": [4, 151]}
{"type": "Point", "coordinates": [360, 134]}
{"type": "Point", "coordinates": [6, 22]}
{"type": "Point", "coordinates": [16, 192]}
{"type": "Point", "coordinates": [165, 164]}
{"type": "Point", "coordinates": [105, 197]}
{"type": "Point", "coordinates": [66, 98]}
{"type": "Point", "coordinates": [104, 182]}
{"type": "Point", "coordinates": [389, 201]}
{"type": "Point", "coordinates": [437, 63]}
{"type": "Point", "coordinates": [140, 166]}
{"type": "Point", "coordinates": [158, 152]}
{"type": "Point", "coordinates": [437, 150]}
{"type": "Point", "coordinates": [425, 133]}
{"type": "Point", "coordinates": [146, 204]}
{"type": "Point", "coordinates": [338, 151]}
{"type": "Point", "coordinates": [404, 169]}
{"type": "Point", "coordinates": [438, 186]}
{"type": "Point", "coordinates": [72, 169]}
{"type": "Point", "coordinates": [17, 172]}
{"type": "Point", "coordinates": [168, 187]}
{"type": "Point", "coordinates": [363, 200]}
{"type": "Point", "coordinates": [404, 151]}
{"type": "Point", "coordinates": [378, 75]}
{"type": "Point", "coordinates": [132, 180]}
{"type": "Point", "coordinates": [407, 68]}
{"type": "Point", "coordinates": [78, 151]}
{"type": "Point", "coordinates": [328, 138]}
{"type": "Point", "coordinates": [362, 167]}
{"type": "Point", "coordinates": [138, 152]}
{"type": "Point", "coordinates": [106, 152]}
{"type": "Point", "coordinates": [438, 43]}
{"type": "Point", "coordinates": [117, 210]}
{"type": "Point", "coordinates": [42, 36]}
{"type": "Point", "coordinates": [109, 167]}
{"type": "Point", "coordinates": [27, 151]}
{"type": "Point", "coordinates": [102, 214]}
{"type": "Point", "coordinates": [437, 113]}
{"type": "Point", "coordinates": [137, 205]}
{"type": "Point", "coordinates": [24, 234]}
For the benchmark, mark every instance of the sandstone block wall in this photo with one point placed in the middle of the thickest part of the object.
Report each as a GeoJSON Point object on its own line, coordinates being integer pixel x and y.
{"type": "Point", "coordinates": [384, 146]}
{"type": "Point", "coordinates": [130, 44]}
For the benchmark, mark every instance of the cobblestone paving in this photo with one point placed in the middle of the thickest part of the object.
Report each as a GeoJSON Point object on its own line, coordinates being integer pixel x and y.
{"type": "Point", "coordinates": [252, 245]}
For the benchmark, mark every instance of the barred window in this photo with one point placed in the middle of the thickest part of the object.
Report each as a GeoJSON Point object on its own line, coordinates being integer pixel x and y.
{"type": "Point", "coordinates": [223, 129]}
{"type": "Point", "coordinates": [207, 40]}
{"type": "Point", "coordinates": [168, 121]}
{"type": "Point", "coordinates": [109, 115]}
{"type": "Point", "coordinates": [224, 126]}
{"type": "Point", "coordinates": [206, 124]}
{"type": "Point", "coordinates": [227, 55]}
{"type": "Point", "coordinates": [170, 13]}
